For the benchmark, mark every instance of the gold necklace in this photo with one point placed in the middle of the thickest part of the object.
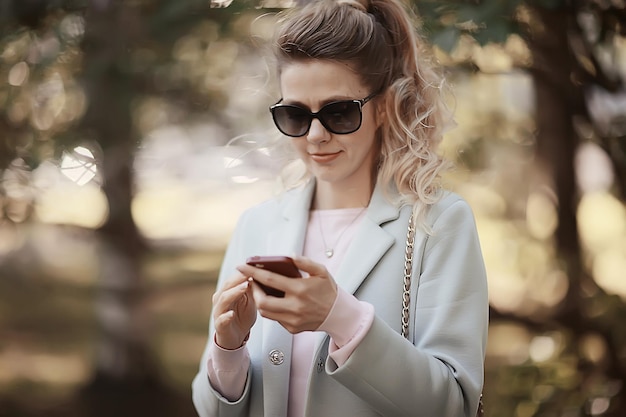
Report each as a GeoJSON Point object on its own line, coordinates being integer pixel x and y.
{"type": "Point", "coordinates": [329, 251]}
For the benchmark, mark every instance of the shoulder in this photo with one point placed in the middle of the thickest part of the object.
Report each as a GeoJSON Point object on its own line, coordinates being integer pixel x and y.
{"type": "Point", "coordinates": [267, 206]}
{"type": "Point", "coordinates": [450, 208]}
{"type": "Point", "coordinates": [273, 207]}
{"type": "Point", "coordinates": [265, 210]}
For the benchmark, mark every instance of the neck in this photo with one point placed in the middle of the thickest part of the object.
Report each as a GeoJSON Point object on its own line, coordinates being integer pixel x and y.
{"type": "Point", "coordinates": [329, 196]}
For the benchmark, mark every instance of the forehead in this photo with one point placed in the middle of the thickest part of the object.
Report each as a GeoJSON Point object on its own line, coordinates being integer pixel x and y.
{"type": "Point", "coordinates": [316, 81]}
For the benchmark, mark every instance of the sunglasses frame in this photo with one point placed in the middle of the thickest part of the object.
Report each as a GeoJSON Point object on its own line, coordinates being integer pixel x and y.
{"type": "Point", "coordinates": [315, 115]}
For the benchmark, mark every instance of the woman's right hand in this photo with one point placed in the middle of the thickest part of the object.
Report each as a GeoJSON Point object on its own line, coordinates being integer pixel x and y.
{"type": "Point", "coordinates": [234, 312]}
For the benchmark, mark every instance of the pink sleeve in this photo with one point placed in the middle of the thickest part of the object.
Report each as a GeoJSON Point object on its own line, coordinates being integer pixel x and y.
{"type": "Point", "coordinates": [347, 324]}
{"type": "Point", "coordinates": [228, 370]}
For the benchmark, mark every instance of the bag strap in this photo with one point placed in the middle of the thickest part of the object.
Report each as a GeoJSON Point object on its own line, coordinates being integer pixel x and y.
{"type": "Point", "coordinates": [408, 266]}
{"type": "Point", "coordinates": [406, 292]}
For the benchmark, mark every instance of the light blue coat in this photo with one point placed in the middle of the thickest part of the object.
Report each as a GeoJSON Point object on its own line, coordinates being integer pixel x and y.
{"type": "Point", "coordinates": [440, 374]}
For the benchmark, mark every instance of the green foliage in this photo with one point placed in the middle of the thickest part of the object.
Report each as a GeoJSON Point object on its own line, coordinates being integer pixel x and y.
{"type": "Point", "coordinates": [497, 32]}
{"type": "Point", "coordinates": [486, 21]}
{"type": "Point", "coordinates": [171, 18]}
{"type": "Point", "coordinates": [446, 38]}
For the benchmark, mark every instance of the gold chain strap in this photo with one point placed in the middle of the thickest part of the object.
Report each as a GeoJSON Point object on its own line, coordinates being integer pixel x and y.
{"type": "Point", "coordinates": [406, 292]}
{"type": "Point", "coordinates": [408, 266]}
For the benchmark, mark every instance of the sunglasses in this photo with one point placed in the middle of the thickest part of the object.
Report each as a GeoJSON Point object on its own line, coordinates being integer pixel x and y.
{"type": "Point", "coordinates": [339, 117]}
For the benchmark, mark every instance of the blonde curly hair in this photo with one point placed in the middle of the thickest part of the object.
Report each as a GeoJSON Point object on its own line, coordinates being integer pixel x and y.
{"type": "Point", "coordinates": [379, 39]}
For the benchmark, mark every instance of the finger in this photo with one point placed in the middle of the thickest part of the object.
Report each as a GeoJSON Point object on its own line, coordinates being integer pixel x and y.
{"type": "Point", "coordinates": [236, 279]}
{"type": "Point", "coordinates": [223, 320]}
{"type": "Point", "coordinates": [257, 293]}
{"type": "Point", "coordinates": [247, 270]}
{"type": "Point", "coordinates": [276, 309]}
{"type": "Point", "coordinates": [312, 268]}
{"type": "Point", "coordinates": [271, 279]}
{"type": "Point", "coordinates": [267, 305]}
{"type": "Point", "coordinates": [226, 299]}
{"type": "Point", "coordinates": [260, 298]}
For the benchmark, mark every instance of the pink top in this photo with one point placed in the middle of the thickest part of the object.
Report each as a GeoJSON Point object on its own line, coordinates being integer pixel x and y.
{"type": "Point", "coordinates": [347, 322]}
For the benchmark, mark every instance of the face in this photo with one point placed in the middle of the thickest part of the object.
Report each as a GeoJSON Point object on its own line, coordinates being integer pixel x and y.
{"type": "Point", "coordinates": [338, 160]}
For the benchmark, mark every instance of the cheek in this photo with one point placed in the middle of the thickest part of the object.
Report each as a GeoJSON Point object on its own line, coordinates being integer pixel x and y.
{"type": "Point", "coordinates": [369, 134]}
{"type": "Point", "coordinates": [374, 120]}
{"type": "Point", "coordinates": [370, 121]}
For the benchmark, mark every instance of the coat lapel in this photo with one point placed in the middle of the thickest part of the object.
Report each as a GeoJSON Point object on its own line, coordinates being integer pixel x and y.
{"type": "Point", "coordinates": [287, 238]}
{"type": "Point", "coordinates": [370, 243]}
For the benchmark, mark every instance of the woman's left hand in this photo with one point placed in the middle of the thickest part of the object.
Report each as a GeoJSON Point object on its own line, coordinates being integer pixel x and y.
{"type": "Point", "coordinates": [307, 301]}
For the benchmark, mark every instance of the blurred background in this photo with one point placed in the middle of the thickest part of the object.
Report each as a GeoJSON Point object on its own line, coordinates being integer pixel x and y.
{"type": "Point", "coordinates": [133, 134]}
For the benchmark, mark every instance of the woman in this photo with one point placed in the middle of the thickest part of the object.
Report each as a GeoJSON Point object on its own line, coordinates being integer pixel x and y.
{"type": "Point", "coordinates": [363, 109]}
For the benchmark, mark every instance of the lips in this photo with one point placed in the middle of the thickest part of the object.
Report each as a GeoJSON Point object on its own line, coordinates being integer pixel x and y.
{"type": "Point", "coordinates": [324, 158]}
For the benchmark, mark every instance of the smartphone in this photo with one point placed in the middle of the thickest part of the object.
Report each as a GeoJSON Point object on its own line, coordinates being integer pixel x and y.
{"type": "Point", "coordinates": [282, 265]}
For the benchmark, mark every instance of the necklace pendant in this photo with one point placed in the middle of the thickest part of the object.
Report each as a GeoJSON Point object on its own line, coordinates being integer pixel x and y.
{"type": "Point", "coordinates": [329, 253]}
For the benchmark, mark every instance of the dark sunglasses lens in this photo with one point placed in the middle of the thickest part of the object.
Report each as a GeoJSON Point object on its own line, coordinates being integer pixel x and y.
{"type": "Point", "coordinates": [291, 120]}
{"type": "Point", "coordinates": [341, 117]}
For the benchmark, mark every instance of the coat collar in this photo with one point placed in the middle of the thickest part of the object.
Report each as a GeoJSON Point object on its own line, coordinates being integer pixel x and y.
{"type": "Point", "coordinates": [298, 202]}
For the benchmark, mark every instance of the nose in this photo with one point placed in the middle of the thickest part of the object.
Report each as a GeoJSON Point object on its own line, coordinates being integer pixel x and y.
{"type": "Point", "coordinates": [317, 133]}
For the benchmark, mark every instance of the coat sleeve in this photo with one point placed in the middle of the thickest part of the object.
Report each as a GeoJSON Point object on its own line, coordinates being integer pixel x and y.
{"type": "Point", "coordinates": [442, 373]}
{"type": "Point", "coordinates": [207, 401]}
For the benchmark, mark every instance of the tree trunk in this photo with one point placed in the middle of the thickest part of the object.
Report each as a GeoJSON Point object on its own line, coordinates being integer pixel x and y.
{"type": "Point", "coordinates": [559, 89]}
{"type": "Point", "coordinates": [126, 379]}
{"type": "Point", "coordinates": [558, 101]}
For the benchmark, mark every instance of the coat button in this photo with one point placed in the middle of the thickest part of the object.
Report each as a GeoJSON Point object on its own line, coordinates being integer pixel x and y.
{"type": "Point", "coordinates": [277, 357]}
{"type": "Point", "coordinates": [320, 365]}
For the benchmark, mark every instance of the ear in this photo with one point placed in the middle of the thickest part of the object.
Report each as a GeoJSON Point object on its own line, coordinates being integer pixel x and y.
{"type": "Point", "coordinates": [380, 113]}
